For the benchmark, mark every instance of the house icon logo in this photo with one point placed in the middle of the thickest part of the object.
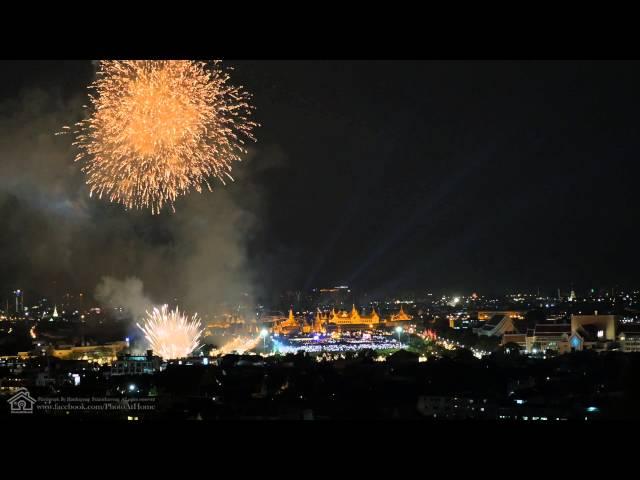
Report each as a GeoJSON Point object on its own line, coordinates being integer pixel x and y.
{"type": "Point", "coordinates": [22, 402]}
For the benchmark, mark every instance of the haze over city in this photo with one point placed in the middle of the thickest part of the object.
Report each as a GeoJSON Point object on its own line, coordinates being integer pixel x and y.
{"type": "Point", "coordinates": [241, 226]}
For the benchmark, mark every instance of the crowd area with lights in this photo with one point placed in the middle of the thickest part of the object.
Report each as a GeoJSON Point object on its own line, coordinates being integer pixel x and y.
{"type": "Point", "coordinates": [329, 343]}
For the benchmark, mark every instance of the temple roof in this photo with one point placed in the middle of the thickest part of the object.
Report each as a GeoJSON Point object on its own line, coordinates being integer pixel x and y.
{"type": "Point", "coordinates": [401, 315]}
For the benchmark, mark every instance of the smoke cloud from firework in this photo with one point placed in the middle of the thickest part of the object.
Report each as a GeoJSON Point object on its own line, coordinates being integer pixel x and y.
{"type": "Point", "coordinates": [70, 242]}
{"type": "Point", "coordinates": [127, 294]}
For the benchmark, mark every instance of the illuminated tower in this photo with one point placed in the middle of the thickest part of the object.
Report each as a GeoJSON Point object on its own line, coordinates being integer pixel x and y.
{"type": "Point", "coordinates": [19, 301]}
{"type": "Point", "coordinates": [400, 316]}
{"type": "Point", "coordinates": [355, 316]}
{"type": "Point", "coordinates": [55, 311]}
{"type": "Point", "coordinates": [319, 323]}
{"type": "Point", "coordinates": [286, 325]}
{"type": "Point", "coordinates": [306, 326]}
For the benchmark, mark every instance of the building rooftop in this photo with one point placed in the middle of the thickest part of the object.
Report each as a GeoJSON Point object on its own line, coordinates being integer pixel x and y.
{"type": "Point", "coordinates": [542, 329]}
{"type": "Point", "coordinates": [493, 321]}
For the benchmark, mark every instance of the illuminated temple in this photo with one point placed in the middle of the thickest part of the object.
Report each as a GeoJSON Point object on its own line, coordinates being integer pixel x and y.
{"type": "Point", "coordinates": [320, 323]}
{"type": "Point", "coordinates": [401, 316]}
{"type": "Point", "coordinates": [354, 317]}
{"type": "Point", "coordinates": [287, 326]}
{"type": "Point", "coordinates": [337, 319]}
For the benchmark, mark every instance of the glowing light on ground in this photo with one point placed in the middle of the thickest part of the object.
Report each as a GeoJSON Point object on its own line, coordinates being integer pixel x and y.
{"type": "Point", "coordinates": [237, 345]}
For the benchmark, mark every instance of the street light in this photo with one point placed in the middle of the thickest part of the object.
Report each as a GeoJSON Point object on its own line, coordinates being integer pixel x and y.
{"type": "Point", "coordinates": [263, 334]}
{"type": "Point", "coordinates": [399, 332]}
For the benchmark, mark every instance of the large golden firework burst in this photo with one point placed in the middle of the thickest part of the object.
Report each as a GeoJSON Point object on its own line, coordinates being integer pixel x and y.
{"type": "Point", "coordinates": [170, 333]}
{"type": "Point", "coordinates": [157, 129]}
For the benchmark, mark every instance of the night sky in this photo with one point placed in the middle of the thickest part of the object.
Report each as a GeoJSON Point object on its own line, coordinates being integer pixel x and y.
{"type": "Point", "coordinates": [385, 176]}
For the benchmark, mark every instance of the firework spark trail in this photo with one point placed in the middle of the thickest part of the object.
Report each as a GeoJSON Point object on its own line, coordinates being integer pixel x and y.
{"type": "Point", "coordinates": [158, 129]}
{"type": "Point", "coordinates": [172, 334]}
{"type": "Point", "coordinates": [238, 345]}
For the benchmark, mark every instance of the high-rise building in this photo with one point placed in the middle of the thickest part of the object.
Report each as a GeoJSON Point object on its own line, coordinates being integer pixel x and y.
{"type": "Point", "coordinates": [19, 298]}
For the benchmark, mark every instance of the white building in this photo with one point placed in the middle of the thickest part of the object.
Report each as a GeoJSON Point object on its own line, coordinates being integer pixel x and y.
{"type": "Point", "coordinates": [629, 338]}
